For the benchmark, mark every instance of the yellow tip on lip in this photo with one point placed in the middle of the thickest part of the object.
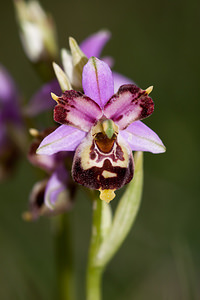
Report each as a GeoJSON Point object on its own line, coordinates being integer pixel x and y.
{"type": "Point", "coordinates": [54, 97]}
{"type": "Point", "coordinates": [149, 89]}
{"type": "Point", "coordinates": [107, 195]}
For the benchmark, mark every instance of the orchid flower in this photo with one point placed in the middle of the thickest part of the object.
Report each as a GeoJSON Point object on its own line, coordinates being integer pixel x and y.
{"type": "Point", "coordinates": [102, 129]}
{"type": "Point", "coordinates": [52, 195]}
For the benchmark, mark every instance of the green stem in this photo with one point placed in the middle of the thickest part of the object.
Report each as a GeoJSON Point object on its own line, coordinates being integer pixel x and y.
{"type": "Point", "coordinates": [94, 277]}
{"type": "Point", "coordinates": [64, 261]}
{"type": "Point", "coordinates": [94, 274]}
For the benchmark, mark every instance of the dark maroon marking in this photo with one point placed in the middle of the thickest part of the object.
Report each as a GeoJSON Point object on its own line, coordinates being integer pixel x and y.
{"type": "Point", "coordinates": [60, 114]}
{"type": "Point", "coordinates": [119, 155]}
{"type": "Point", "coordinates": [119, 118]}
{"type": "Point", "coordinates": [68, 97]}
{"type": "Point", "coordinates": [92, 151]}
{"type": "Point", "coordinates": [132, 88]}
{"type": "Point", "coordinates": [93, 179]}
{"type": "Point", "coordinates": [93, 155]}
{"type": "Point", "coordinates": [147, 107]}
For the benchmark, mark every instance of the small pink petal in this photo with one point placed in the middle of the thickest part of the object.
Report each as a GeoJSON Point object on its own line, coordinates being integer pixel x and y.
{"type": "Point", "coordinates": [141, 138]}
{"type": "Point", "coordinates": [77, 110]}
{"type": "Point", "coordinates": [64, 138]}
{"type": "Point", "coordinates": [93, 45]}
{"type": "Point", "coordinates": [128, 105]}
{"type": "Point", "coordinates": [97, 81]}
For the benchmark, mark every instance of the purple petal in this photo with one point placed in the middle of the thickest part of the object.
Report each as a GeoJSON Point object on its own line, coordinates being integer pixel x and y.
{"type": "Point", "coordinates": [9, 98]}
{"type": "Point", "coordinates": [97, 81]}
{"type": "Point", "coordinates": [128, 105]}
{"type": "Point", "coordinates": [77, 110]}
{"type": "Point", "coordinates": [8, 89]}
{"type": "Point", "coordinates": [141, 138]}
{"type": "Point", "coordinates": [56, 187]}
{"type": "Point", "coordinates": [64, 138]}
{"type": "Point", "coordinates": [119, 80]}
{"type": "Point", "coordinates": [93, 45]}
{"type": "Point", "coordinates": [41, 100]}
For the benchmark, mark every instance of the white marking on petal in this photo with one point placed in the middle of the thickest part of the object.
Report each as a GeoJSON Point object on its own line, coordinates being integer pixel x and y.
{"type": "Point", "coordinates": [107, 174]}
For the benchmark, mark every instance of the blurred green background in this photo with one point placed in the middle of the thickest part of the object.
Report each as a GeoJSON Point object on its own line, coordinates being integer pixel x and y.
{"type": "Point", "coordinates": [154, 43]}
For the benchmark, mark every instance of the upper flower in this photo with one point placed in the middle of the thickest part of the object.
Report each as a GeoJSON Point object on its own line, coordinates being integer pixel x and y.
{"type": "Point", "coordinates": [105, 127]}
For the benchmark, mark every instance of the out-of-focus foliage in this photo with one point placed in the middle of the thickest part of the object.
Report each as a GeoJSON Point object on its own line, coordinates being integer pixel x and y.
{"type": "Point", "coordinates": [153, 43]}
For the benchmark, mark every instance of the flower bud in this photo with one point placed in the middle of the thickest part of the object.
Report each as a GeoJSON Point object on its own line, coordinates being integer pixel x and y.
{"type": "Point", "coordinates": [73, 63]}
{"type": "Point", "coordinates": [37, 31]}
{"type": "Point", "coordinates": [38, 207]}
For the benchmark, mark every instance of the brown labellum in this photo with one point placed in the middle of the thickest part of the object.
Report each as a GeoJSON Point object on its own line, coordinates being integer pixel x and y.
{"type": "Point", "coordinates": [101, 163]}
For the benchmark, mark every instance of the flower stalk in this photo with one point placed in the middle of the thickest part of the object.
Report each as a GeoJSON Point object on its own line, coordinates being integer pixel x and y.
{"type": "Point", "coordinates": [64, 258]}
{"type": "Point", "coordinates": [101, 221]}
{"type": "Point", "coordinates": [107, 235]}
